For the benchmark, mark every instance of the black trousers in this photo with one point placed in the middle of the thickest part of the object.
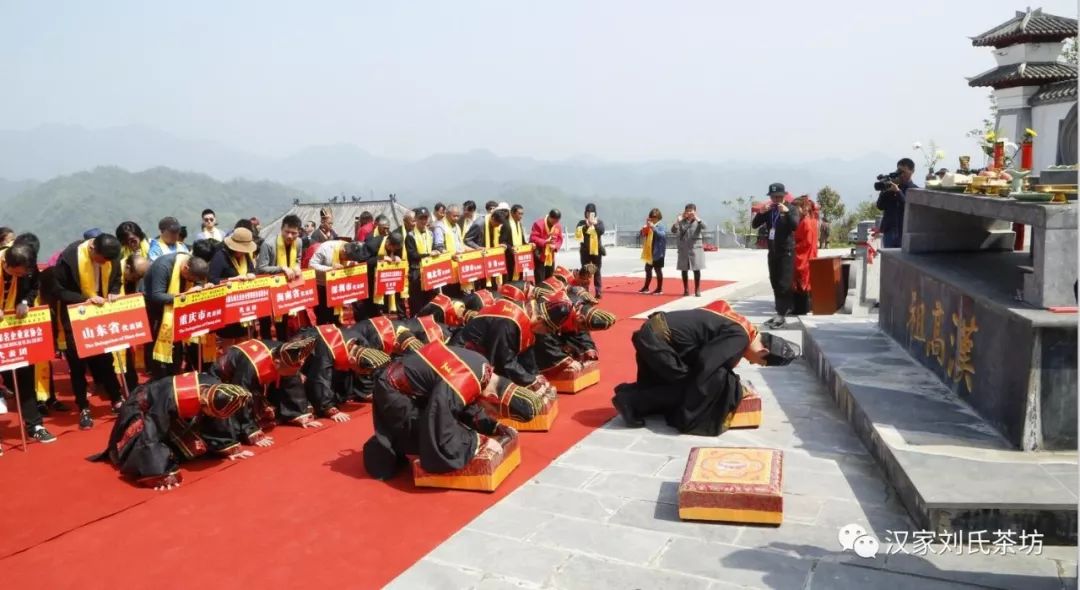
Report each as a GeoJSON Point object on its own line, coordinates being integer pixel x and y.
{"type": "Point", "coordinates": [101, 369]}
{"type": "Point", "coordinates": [597, 260]}
{"type": "Point", "coordinates": [24, 377]}
{"type": "Point", "coordinates": [324, 314]}
{"type": "Point", "coordinates": [544, 273]}
{"type": "Point", "coordinates": [781, 275]}
{"type": "Point", "coordinates": [417, 297]}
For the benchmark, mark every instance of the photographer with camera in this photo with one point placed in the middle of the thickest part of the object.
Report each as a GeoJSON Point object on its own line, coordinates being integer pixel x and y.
{"type": "Point", "coordinates": [781, 221]}
{"type": "Point", "coordinates": [892, 196]}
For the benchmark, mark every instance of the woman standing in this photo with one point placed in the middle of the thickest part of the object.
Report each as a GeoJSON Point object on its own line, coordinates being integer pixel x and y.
{"type": "Point", "coordinates": [589, 232]}
{"type": "Point", "coordinates": [688, 229]}
{"type": "Point", "coordinates": [653, 248]}
{"type": "Point", "coordinates": [806, 249]}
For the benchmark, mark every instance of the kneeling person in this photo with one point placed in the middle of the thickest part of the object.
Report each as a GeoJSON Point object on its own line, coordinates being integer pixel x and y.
{"type": "Point", "coordinates": [685, 362]}
{"type": "Point", "coordinates": [157, 426]}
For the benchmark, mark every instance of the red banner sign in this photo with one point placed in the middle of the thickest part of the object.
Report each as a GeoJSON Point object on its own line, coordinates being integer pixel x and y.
{"type": "Point", "coordinates": [198, 313]}
{"type": "Point", "coordinates": [436, 272]}
{"type": "Point", "coordinates": [346, 285]}
{"type": "Point", "coordinates": [246, 301]}
{"type": "Point", "coordinates": [524, 261]}
{"type": "Point", "coordinates": [471, 266]}
{"type": "Point", "coordinates": [292, 298]}
{"type": "Point", "coordinates": [110, 327]}
{"type": "Point", "coordinates": [495, 261]}
{"type": "Point", "coordinates": [391, 277]}
{"type": "Point", "coordinates": [26, 341]}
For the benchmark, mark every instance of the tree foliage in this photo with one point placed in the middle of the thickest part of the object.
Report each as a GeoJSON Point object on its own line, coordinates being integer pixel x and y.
{"type": "Point", "coordinates": [1068, 52]}
{"type": "Point", "coordinates": [829, 202]}
{"type": "Point", "coordinates": [737, 221]}
{"type": "Point", "coordinates": [60, 210]}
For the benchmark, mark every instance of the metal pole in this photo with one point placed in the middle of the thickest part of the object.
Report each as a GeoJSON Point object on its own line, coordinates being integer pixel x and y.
{"type": "Point", "coordinates": [18, 409]}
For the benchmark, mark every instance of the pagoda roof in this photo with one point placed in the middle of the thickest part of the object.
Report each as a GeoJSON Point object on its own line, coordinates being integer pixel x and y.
{"type": "Point", "coordinates": [1063, 91]}
{"type": "Point", "coordinates": [1027, 27]}
{"type": "Point", "coordinates": [1024, 74]}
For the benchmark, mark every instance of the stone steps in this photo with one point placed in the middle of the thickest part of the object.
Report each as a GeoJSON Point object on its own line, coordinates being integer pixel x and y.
{"type": "Point", "coordinates": [950, 468]}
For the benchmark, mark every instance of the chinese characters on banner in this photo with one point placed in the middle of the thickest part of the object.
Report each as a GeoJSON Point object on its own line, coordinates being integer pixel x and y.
{"type": "Point", "coordinates": [471, 266]}
{"type": "Point", "coordinates": [390, 277]}
{"type": "Point", "coordinates": [346, 285]}
{"type": "Point", "coordinates": [959, 365]}
{"type": "Point", "coordinates": [495, 261]}
{"type": "Point", "coordinates": [26, 341]}
{"type": "Point", "coordinates": [436, 272]}
{"type": "Point", "coordinates": [524, 261]}
{"type": "Point", "coordinates": [198, 313]}
{"type": "Point", "coordinates": [110, 327]}
{"type": "Point", "coordinates": [247, 301]}
{"type": "Point", "coordinates": [294, 297]}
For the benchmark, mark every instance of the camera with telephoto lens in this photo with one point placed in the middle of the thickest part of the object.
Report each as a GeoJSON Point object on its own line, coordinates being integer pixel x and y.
{"type": "Point", "coordinates": [883, 180]}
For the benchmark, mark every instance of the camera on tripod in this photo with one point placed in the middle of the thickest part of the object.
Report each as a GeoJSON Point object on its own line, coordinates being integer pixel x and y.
{"type": "Point", "coordinates": [883, 180]}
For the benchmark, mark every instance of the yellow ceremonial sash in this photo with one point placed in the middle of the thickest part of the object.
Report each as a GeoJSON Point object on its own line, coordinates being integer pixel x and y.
{"type": "Point", "coordinates": [594, 242]}
{"type": "Point", "coordinates": [241, 265]}
{"type": "Point", "coordinates": [9, 297]}
{"type": "Point", "coordinates": [163, 346]}
{"type": "Point", "coordinates": [144, 249]}
{"type": "Point", "coordinates": [86, 272]}
{"type": "Point", "coordinates": [286, 257]}
{"type": "Point", "coordinates": [379, 299]}
{"type": "Point", "coordinates": [646, 248]}
{"type": "Point", "coordinates": [549, 254]}
{"type": "Point", "coordinates": [450, 239]}
{"type": "Point", "coordinates": [423, 241]}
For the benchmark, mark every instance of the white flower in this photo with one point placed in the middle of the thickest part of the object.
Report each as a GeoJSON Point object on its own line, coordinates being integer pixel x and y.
{"type": "Point", "coordinates": [1010, 145]}
{"type": "Point", "coordinates": [916, 146]}
{"type": "Point", "coordinates": [940, 154]}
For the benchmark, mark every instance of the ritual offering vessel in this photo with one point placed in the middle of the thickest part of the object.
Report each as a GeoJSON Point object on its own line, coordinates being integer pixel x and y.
{"type": "Point", "coordinates": [483, 473]}
{"type": "Point", "coordinates": [733, 485]}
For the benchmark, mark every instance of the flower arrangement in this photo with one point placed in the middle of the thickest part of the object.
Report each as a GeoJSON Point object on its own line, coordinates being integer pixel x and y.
{"type": "Point", "coordinates": [990, 139]}
{"type": "Point", "coordinates": [931, 154]}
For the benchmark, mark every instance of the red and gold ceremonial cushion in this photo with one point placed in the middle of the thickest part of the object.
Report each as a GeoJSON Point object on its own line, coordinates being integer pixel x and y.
{"type": "Point", "coordinates": [733, 484]}
{"type": "Point", "coordinates": [574, 381]}
{"type": "Point", "coordinates": [748, 413]}
{"type": "Point", "coordinates": [483, 473]}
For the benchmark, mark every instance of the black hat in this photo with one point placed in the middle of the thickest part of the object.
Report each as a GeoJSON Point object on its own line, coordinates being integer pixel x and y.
{"type": "Point", "coordinates": [781, 352]}
{"type": "Point", "coordinates": [777, 187]}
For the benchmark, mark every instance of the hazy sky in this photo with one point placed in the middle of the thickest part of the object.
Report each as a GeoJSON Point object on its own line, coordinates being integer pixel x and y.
{"type": "Point", "coordinates": [621, 80]}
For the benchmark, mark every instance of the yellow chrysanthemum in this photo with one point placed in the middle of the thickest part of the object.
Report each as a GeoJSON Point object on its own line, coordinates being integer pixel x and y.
{"type": "Point", "coordinates": [1031, 132]}
{"type": "Point", "coordinates": [990, 136]}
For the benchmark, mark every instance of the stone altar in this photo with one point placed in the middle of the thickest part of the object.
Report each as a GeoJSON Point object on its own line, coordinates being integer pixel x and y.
{"type": "Point", "coordinates": [950, 299]}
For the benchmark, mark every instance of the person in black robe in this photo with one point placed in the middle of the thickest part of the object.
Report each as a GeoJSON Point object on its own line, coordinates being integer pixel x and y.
{"type": "Point", "coordinates": [330, 377]}
{"type": "Point", "coordinates": [269, 369]}
{"type": "Point", "coordinates": [445, 416]}
{"type": "Point", "coordinates": [447, 311]}
{"type": "Point", "coordinates": [685, 367]}
{"type": "Point", "coordinates": [380, 247]}
{"type": "Point", "coordinates": [479, 299]}
{"type": "Point", "coordinates": [567, 351]}
{"type": "Point", "coordinates": [506, 332]}
{"type": "Point", "coordinates": [158, 427]}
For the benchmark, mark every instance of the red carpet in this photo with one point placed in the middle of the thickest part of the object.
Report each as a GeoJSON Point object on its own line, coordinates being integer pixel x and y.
{"type": "Point", "coordinates": [302, 513]}
{"type": "Point", "coordinates": [672, 285]}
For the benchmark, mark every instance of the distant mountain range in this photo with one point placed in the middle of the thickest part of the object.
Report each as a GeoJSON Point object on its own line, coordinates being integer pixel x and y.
{"type": "Point", "coordinates": [52, 150]}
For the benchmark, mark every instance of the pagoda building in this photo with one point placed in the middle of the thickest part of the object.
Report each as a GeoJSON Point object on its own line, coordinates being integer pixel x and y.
{"type": "Point", "coordinates": [1033, 87]}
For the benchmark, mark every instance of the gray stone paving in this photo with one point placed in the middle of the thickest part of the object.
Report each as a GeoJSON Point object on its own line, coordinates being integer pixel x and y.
{"type": "Point", "coordinates": [603, 515]}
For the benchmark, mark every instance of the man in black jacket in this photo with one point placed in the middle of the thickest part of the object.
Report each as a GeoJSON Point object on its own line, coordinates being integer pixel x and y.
{"type": "Point", "coordinates": [780, 221]}
{"type": "Point", "coordinates": [98, 260]}
{"type": "Point", "coordinates": [891, 203]}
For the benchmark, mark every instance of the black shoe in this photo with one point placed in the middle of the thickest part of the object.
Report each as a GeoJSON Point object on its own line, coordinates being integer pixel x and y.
{"type": "Point", "coordinates": [658, 292]}
{"type": "Point", "coordinates": [57, 405]}
{"type": "Point", "coordinates": [41, 435]}
{"type": "Point", "coordinates": [643, 290]}
{"type": "Point", "coordinates": [697, 292]}
{"type": "Point", "coordinates": [628, 416]}
{"type": "Point", "coordinates": [85, 421]}
{"type": "Point", "coordinates": [686, 292]}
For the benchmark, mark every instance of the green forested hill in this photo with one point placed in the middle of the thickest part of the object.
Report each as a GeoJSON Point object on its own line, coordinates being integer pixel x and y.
{"type": "Point", "coordinates": [60, 210]}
